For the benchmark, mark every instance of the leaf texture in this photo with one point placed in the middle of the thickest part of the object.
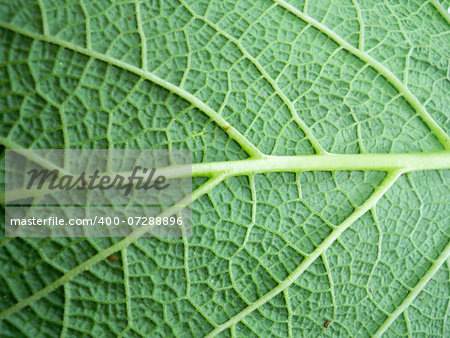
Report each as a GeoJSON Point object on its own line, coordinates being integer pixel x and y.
{"type": "Point", "coordinates": [319, 133]}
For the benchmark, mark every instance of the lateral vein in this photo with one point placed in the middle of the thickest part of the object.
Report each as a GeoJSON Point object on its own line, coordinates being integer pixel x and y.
{"type": "Point", "coordinates": [290, 105]}
{"type": "Point", "coordinates": [298, 271]}
{"type": "Point", "coordinates": [445, 254]}
{"type": "Point", "coordinates": [440, 134]}
{"type": "Point", "coordinates": [246, 145]}
{"type": "Point", "coordinates": [205, 188]}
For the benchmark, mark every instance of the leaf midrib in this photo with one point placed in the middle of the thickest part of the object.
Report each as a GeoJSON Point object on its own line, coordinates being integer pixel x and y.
{"type": "Point", "coordinates": [406, 162]}
{"type": "Point", "coordinates": [328, 162]}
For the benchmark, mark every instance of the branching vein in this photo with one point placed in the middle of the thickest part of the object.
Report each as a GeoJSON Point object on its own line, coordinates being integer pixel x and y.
{"type": "Point", "coordinates": [213, 115]}
{"type": "Point", "coordinates": [314, 142]}
{"type": "Point", "coordinates": [440, 134]}
{"type": "Point", "coordinates": [293, 276]}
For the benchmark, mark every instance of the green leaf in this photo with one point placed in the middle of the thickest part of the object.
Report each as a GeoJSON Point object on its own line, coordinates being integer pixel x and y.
{"type": "Point", "coordinates": [319, 132]}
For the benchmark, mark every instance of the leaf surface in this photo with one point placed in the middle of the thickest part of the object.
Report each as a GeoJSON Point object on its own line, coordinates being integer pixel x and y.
{"type": "Point", "coordinates": [319, 132]}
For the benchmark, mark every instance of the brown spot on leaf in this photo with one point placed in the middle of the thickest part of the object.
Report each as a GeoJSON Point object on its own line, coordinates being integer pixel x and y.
{"type": "Point", "coordinates": [113, 258]}
{"type": "Point", "coordinates": [326, 324]}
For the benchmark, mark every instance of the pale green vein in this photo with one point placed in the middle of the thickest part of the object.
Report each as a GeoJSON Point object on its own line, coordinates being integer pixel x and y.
{"type": "Point", "coordinates": [66, 313]}
{"type": "Point", "coordinates": [441, 10]}
{"type": "Point", "coordinates": [188, 64]}
{"type": "Point", "coordinates": [44, 19]}
{"type": "Point", "coordinates": [374, 214]}
{"type": "Point", "coordinates": [141, 35]}
{"type": "Point", "coordinates": [407, 62]}
{"type": "Point", "coordinates": [233, 331]}
{"type": "Point", "coordinates": [211, 113]}
{"type": "Point", "coordinates": [297, 272]}
{"type": "Point", "coordinates": [126, 280]}
{"type": "Point", "coordinates": [361, 147]}
{"type": "Point", "coordinates": [361, 24]}
{"type": "Point", "coordinates": [205, 188]}
{"type": "Point", "coordinates": [87, 24]}
{"type": "Point", "coordinates": [407, 323]}
{"type": "Point", "coordinates": [378, 66]}
{"type": "Point", "coordinates": [289, 310]}
{"type": "Point", "coordinates": [186, 262]}
{"type": "Point", "coordinates": [447, 312]}
{"type": "Point", "coordinates": [327, 162]}
{"type": "Point", "coordinates": [330, 281]}
{"type": "Point", "coordinates": [414, 292]}
{"type": "Point", "coordinates": [31, 156]}
{"type": "Point", "coordinates": [311, 138]}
